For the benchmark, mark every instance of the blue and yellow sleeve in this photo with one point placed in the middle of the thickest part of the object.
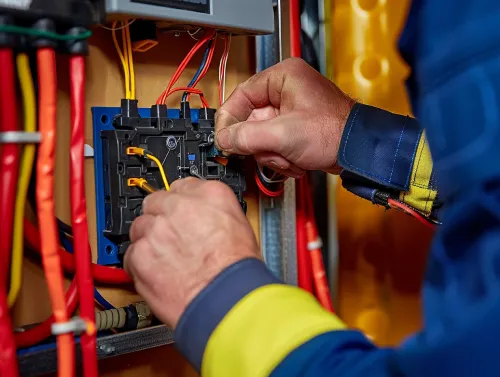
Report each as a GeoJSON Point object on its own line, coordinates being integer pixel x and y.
{"type": "Point", "coordinates": [385, 155]}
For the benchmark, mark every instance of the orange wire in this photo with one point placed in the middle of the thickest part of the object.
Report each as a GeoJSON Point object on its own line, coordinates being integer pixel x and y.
{"type": "Point", "coordinates": [410, 212]}
{"type": "Point", "coordinates": [47, 84]}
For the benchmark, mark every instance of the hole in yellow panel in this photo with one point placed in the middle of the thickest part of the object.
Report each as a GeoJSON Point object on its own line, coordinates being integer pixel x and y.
{"type": "Point", "coordinates": [370, 68]}
{"type": "Point", "coordinates": [367, 5]}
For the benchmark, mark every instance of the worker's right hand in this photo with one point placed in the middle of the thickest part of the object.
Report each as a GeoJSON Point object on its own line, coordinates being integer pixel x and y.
{"type": "Point", "coordinates": [289, 117]}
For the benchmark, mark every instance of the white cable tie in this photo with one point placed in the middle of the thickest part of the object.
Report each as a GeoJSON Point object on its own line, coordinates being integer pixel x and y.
{"type": "Point", "coordinates": [314, 245]}
{"type": "Point", "coordinates": [75, 325]}
{"type": "Point", "coordinates": [20, 137]}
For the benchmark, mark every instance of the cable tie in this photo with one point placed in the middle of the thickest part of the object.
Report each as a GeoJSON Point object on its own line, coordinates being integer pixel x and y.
{"type": "Point", "coordinates": [20, 137]}
{"type": "Point", "coordinates": [75, 325]}
{"type": "Point", "coordinates": [314, 245]}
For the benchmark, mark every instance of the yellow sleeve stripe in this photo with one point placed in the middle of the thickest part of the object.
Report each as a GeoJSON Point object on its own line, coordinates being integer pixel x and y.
{"type": "Point", "coordinates": [420, 194]}
{"type": "Point", "coordinates": [262, 329]}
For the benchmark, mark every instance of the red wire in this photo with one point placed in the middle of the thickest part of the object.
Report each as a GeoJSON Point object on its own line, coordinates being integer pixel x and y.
{"type": "Point", "coordinates": [47, 83]}
{"type": "Point", "coordinates": [207, 65]}
{"type": "Point", "coordinates": [265, 191]}
{"type": "Point", "coordinates": [9, 165]}
{"type": "Point", "coordinates": [183, 65]}
{"type": "Point", "coordinates": [410, 212]}
{"type": "Point", "coordinates": [42, 331]}
{"type": "Point", "coordinates": [295, 29]}
{"type": "Point", "coordinates": [101, 274]}
{"type": "Point", "coordinates": [83, 256]}
{"type": "Point", "coordinates": [303, 259]}
{"type": "Point", "coordinates": [190, 90]}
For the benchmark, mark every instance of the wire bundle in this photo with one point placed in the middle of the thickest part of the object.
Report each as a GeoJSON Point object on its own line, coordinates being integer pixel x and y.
{"type": "Point", "coordinates": [169, 90]}
{"type": "Point", "coordinates": [125, 55]}
{"type": "Point", "coordinates": [223, 69]}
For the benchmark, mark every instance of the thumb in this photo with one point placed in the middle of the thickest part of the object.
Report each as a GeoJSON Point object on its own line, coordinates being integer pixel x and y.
{"type": "Point", "coordinates": [252, 137]}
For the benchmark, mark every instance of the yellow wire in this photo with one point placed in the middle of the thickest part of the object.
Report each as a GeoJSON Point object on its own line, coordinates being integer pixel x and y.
{"type": "Point", "coordinates": [162, 171]}
{"type": "Point", "coordinates": [123, 61]}
{"type": "Point", "coordinates": [28, 155]}
{"type": "Point", "coordinates": [125, 55]}
{"type": "Point", "coordinates": [130, 63]}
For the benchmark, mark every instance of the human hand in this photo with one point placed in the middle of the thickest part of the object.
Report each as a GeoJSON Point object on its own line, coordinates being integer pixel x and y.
{"type": "Point", "coordinates": [183, 240]}
{"type": "Point", "coordinates": [289, 117]}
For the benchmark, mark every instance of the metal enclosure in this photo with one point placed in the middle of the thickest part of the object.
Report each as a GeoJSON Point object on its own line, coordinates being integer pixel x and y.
{"type": "Point", "coordinates": [237, 16]}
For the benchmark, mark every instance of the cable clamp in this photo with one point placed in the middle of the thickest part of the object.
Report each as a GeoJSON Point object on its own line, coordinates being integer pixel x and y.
{"type": "Point", "coordinates": [20, 137]}
{"type": "Point", "coordinates": [75, 325]}
{"type": "Point", "coordinates": [314, 245]}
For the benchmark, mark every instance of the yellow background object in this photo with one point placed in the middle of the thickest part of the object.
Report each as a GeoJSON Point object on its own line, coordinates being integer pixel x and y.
{"type": "Point", "coordinates": [382, 253]}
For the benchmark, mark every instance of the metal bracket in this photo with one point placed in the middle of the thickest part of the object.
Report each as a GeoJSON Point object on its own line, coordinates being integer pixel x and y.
{"type": "Point", "coordinates": [20, 137]}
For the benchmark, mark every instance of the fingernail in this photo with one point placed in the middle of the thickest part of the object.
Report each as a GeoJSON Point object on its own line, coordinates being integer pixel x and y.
{"type": "Point", "coordinates": [224, 139]}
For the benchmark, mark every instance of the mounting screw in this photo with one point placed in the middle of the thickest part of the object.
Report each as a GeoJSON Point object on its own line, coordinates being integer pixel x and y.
{"type": "Point", "coordinates": [177, 34]}
{"type": "Point", "coordinates": [197, 136]}
{"type": "Point", "coordinates": [107, 349]}
{"type": "Point", "coordinates": [171, 142]}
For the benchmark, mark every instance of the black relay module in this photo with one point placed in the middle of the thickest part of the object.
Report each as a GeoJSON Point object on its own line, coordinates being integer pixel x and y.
{"type": "Point", "coordinates": [182, 145]}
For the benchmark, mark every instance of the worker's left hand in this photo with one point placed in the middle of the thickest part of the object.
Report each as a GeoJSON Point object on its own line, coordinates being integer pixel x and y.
{"type": "Point", "coordinates": [183, 240]}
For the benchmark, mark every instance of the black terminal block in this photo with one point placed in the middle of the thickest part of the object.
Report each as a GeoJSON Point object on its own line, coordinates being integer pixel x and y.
{"type": "Point", "coordinates": [185, 149]}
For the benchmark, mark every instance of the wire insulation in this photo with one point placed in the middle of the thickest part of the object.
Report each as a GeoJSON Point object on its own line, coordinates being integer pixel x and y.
{"type": "Point", "coordinates": [411, 212]}
{"type": "Point", "coordinates": [162, 170]}
{"type": "Point", "coordinates": [43, 330]}
{"type": "Point", "coordinates": [101, 274]}
{"type": "Point", "coordinates": [83, 255]}
{"type": "Point", "coordinates": [8, 173]}
{"type": "Point", "coordinates": [47, 81]}
{"type": "Point", "coordinates": [27, 158]}
{"type": "Point", "coordinates": [130, 62]}
{"type": "Point", "coordinates": [122, 60]}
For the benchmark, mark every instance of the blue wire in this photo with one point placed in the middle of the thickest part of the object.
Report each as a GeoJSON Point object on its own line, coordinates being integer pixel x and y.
{"type": "Point", "coordinates": [202, 65]}
{"type": "Point", "coordinates": [66, 243]}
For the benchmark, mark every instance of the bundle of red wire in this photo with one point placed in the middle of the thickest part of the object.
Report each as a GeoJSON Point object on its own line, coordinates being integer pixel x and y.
{"type": "Point", "coordinates": [169, 90]}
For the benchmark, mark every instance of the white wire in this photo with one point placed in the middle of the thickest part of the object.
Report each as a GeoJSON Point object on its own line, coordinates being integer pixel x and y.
{"type": "Point", "coordinates": [271, 180]}
{"type": "Point", "coordinates": [225, 69]}
{"type": "Point", "coordinates": [118, 28]}
{"type": "Point", "coordinates": [193, 34]}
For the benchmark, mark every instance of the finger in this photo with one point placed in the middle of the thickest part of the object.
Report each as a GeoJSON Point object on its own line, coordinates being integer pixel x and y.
{"type": "Point", "coordinates": [155, 203]}
{"type": "Point", "coordinates": [272, 160]}
{"type": "Point", "coordinates": [140, 226]}
{"type": "Point", "coordinates": [126, 261]}
{"type": "Point", "coordinates": [186, 184]}
{"type": "Point", "coordinates": [252, 137]}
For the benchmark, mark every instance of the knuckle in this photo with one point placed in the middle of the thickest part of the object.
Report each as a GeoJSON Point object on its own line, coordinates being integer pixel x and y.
{"type": "Point", "coordinates": [217, 189]}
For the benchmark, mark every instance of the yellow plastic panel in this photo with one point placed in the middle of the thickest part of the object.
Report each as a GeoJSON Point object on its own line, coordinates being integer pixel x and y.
{"type": "Point", "coordinates": [382, 254]}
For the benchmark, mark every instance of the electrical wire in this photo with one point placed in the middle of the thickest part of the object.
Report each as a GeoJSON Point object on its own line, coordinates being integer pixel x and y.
{"type": "Point", "coordinates": [101, 274]}
{"type": "Point", "coordinates": [411, 212]}
{"type": "Point", "coordinates": [122, 60]}
{"type": "Point", "coordinates": [8, 174]}
{"type": "Point", "coordinates": [163, 97]}
{"type": "Point", "coordinates": [129, 57]}
{"type": "Point", "coordinates": [200, 69]}
{"type": "Point", "coordinates": [223, 69]}
{"type": "Point", "coordinates": [47, 81]}
{"type": "Point", "coordinates": [66, 243]}
{"type": "Point", "coordinates": [118, 28]}
{"type": "Point", "coordinates": [162, 170]}
{"type": "Point", "coordinates": [28, 155]}
{"type": "Point", "coordinates": [43, 330]}
{"type": "Point", "coordinates": [83, 255]}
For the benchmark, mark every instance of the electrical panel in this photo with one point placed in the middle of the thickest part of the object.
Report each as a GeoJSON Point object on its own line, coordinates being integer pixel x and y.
{"type": "Point", "coordinates": [237, 16]}
{"type": "Point", "coordinates": [182, 140]}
